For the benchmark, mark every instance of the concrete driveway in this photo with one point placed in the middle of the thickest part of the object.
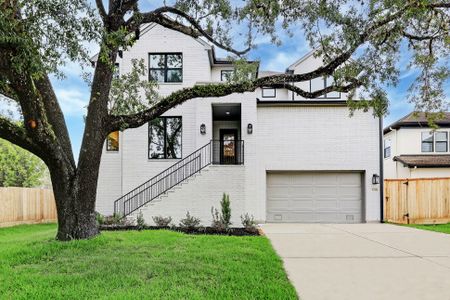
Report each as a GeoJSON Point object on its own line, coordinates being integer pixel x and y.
{"type": "Point", "coordinates": [363, 261]}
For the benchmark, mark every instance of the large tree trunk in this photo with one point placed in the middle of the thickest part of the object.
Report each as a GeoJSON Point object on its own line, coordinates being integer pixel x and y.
{"type": "Point", "coordinates": [75, 204]}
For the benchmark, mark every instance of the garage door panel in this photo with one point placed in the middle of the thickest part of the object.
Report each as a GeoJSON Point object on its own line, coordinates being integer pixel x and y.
{"type": "Point", "coordinates": [333, 197]}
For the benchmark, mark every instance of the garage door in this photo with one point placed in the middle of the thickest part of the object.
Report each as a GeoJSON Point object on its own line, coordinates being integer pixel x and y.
{"type": "Point", "coordinates": [319, 197]}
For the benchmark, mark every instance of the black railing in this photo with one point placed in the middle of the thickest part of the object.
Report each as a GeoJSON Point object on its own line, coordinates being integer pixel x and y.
{"type": "Point", "coordinates": [229, 152]}
{"type": "Point", "coordinates": [216, 152]}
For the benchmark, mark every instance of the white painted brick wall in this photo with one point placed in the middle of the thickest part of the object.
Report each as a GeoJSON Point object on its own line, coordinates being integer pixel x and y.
{"type": "Point", "coordinates": [199, 194]}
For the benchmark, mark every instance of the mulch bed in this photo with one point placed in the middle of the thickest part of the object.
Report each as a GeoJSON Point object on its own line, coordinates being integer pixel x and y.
{"type": "Point", "coordinates": [233, 231]}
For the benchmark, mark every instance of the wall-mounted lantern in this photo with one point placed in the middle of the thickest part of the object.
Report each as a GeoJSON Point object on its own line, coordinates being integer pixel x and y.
{"type": "Point", "coordinates": [249, 128]}
{"type": "Point", "coordinates": [203, 129]}
{"type": "Point", "coordinates": [375, 179]}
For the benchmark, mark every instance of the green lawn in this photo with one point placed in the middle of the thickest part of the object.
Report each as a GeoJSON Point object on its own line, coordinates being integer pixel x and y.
{"type": "Point", "coordinates": [147, 264]}
{"type": "Point", "coordinates": [445, 228]}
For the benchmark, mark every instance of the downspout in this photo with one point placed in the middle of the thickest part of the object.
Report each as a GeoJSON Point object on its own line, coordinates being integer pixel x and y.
{"type": "Point", "coordinates": [380, 125]}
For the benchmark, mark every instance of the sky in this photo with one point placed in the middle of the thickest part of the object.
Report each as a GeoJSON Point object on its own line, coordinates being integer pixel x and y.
{"type": "Point", "coordinates": [73, 91]}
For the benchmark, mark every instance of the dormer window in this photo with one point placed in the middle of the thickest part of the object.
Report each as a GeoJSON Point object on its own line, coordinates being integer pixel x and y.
{"type": "Point", "coordinates": [166, 67]}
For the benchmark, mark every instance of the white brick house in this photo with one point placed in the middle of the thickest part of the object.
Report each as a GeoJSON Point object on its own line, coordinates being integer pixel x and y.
{"type": "Point", "coordinates": [414, 150]}
{"type": "Point", "coordinates": [280, 157]}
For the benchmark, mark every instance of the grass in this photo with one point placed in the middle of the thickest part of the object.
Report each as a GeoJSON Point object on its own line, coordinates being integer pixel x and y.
{"type": "Point", "coordinates": [147, 264]}
{"type": "Point", "coordinates": [445, 228]}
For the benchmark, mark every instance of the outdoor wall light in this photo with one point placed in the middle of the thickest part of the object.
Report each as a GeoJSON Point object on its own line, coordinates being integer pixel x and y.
{"type": "Point", "coordinates": [249, 128]}
{"type": "Point", "coordinates": [203, 129]}
{"type": "Point", "coordinates": [375, 179]}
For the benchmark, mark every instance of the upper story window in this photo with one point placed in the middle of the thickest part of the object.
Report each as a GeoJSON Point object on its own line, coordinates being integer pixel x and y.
{"type": "Point", "coordinates": [427, 141]}
{"type": "Point", "coordinates": [166, 67]}
{"type": "Point", "coordinates": [441, 138]}
{"type": "Point", "coordinates": [225, 75]}
{"type": "Point", "coordinates": [112, 141]}
{"type": "Point", "coordinates": [268, 92]}
{"type": "Point", "coordinates": [164, 138]}
{"type": "Point", "coordinates": [320, 83]}
{"type": "Point", "coordinates": [387, 148]}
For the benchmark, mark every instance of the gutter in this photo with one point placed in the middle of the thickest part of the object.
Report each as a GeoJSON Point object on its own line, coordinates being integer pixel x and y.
{"type": "Point", "coordinates": [381, 158]}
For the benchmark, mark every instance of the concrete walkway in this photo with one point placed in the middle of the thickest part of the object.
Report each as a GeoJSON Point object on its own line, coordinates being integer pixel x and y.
{"type": "Point", "coordinates": [363, 261]}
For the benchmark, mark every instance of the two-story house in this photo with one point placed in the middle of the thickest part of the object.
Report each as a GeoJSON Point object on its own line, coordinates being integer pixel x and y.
{"type": "Point", "coordinates": [414, 150]}
{"type": "Point", "coordinates": [280, 157]}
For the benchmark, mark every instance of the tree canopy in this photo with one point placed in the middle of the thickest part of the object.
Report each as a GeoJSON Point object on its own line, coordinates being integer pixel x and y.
{"type": "Point", "coordinates": [19, 167]}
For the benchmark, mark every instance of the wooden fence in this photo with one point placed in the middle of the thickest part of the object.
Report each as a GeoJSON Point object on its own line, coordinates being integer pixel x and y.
{"type": "Point", "coordinates": [417, 201]}
{"type": "Point", "coordinates": [26, 206]}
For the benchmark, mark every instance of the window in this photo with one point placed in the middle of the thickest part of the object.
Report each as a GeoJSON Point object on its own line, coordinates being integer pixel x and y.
{"type": "Point", "coordinates": [166, 67]}
{"type": "Point", "coordinates": [164, 136]}
{"type": "Point", "coordinates": [112, 141]}
{"type": "Point", "coordinates": [427, 141]}
{"type": "Point", "coordinates": [268, 92]}
{"type": "Point", "coordinates": [116, 73]}
{"type": "Point", "coordinates": [387, 148]}
{"type": "Point", "coordinates": [441, 138]}
{"type": "Point", "coordinates": [225, 75]}
{"type": "Point", "coordinates": [321, 83]}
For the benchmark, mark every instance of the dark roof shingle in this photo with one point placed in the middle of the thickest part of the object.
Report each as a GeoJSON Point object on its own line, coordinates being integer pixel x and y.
{"type": "Point", "coordinates": [418, 119]}
{"type": "Point", "coordinates": [424, 160]}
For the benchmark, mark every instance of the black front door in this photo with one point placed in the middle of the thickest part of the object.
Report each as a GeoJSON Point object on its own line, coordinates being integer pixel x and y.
{"type": "Point", "coordinates": [228, 140]}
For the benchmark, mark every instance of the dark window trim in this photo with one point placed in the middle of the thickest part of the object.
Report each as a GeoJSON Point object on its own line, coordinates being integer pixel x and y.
{"type": "Point", "coordinates": [426, 142]}
{"type": "Point", "coordinates": [269, 88]}
{"type": "Point", "coordinates": [324, 86]}
{"type": "Point", "coordinates": [165, 69]}
{"type": "Point", "coordinates": [108, 149]}
{"type": "Point", "coordinates": [222, 72]}
{"type": "Point", "coordinates": [385, 149]}
{"type": "Point", "coordinates": [165, 141]}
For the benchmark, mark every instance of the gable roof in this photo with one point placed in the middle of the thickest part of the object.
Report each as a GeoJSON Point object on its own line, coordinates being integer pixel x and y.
{"type": "Point", "coordinates": [300, 60]}
{"type": "Point", "coordinates": [424, 160]}
{"type": "Point", "coordinates": [417, 119]}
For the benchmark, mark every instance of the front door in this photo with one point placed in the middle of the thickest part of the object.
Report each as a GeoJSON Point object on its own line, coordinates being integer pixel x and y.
{"type": "Point", "coordinates": [228, 140]}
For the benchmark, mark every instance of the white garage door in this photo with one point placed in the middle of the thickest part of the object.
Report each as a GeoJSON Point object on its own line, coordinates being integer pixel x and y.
{"type": "Point", "coordinates": [314, 197]}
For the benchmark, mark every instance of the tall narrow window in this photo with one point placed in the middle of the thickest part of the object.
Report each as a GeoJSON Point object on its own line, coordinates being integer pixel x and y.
{"type": "Point", "coordinates": [427, 141]}
{"type": "Point", "coordinates": [112, 141]}
{"type": "Point", "coordinates": [441, 138]}
{"type": "Point", "coordinates": [387, 148]}
{"type": "Point", "coordinates": [165, 138]}
{"type": "Point", "coordinates": [166, 67]}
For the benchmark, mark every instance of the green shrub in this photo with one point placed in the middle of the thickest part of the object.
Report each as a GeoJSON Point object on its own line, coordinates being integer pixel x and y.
{"type": "Point", "coordinates": [248, 222]}
{"type": "Point", "coordinates": [226, 210]}
{"type": "Point", "coordinates": [190, 222]}
{"type": "Point", "coordinates": [140, 221]}
{"type": "Point", "coordinates": [100, 218]}
{"type": "Point", "coordinates": [162, 221]}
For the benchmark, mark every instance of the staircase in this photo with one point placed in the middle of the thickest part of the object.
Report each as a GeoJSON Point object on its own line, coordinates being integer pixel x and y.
{"type": "Point", "coordinates": [176, 174]}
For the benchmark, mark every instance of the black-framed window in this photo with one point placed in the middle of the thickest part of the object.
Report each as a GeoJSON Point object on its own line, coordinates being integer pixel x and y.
{"type": "Point", "coordinates": [225, 75]}
{"type": "Point", "coordinates": [166, 67]}
{"type": "Point", "coordinates": [441, 141]}
{"type": "Point", "coordinates": [387, 148]}
{"type": "Point", "coordinates": [112, 141]}
{"type": "Point", "coordinates": [268, 92]}
{"type": "Point", "coordinates": [116, 73]}
{"type": "Point", "coordinates": [320, 83]}
{"type": "Point", "coordinates": [164, 138]}
{"type": "Point", "coordinates": [427, 141]}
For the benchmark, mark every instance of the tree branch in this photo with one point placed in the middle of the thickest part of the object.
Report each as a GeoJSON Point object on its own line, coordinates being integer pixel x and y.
{"type": "Point", "coordinates": [102, 11]}
{"type": "Point", "coordinates": [157, 16]}
{"type": "Point", "coordinates": [18, 136]}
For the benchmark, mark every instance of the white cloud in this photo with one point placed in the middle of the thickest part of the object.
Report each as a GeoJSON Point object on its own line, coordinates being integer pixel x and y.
{"type": "Point", "coordinates": [73, 102]}
{"type": "Point", "coordinates": [281, 61]}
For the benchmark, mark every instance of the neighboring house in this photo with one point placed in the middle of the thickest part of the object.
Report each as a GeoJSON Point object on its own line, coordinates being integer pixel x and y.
{"type": "Point", "coordinates": [281, 158]}
{"type": "Point", "coordinates": [414, 150]}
